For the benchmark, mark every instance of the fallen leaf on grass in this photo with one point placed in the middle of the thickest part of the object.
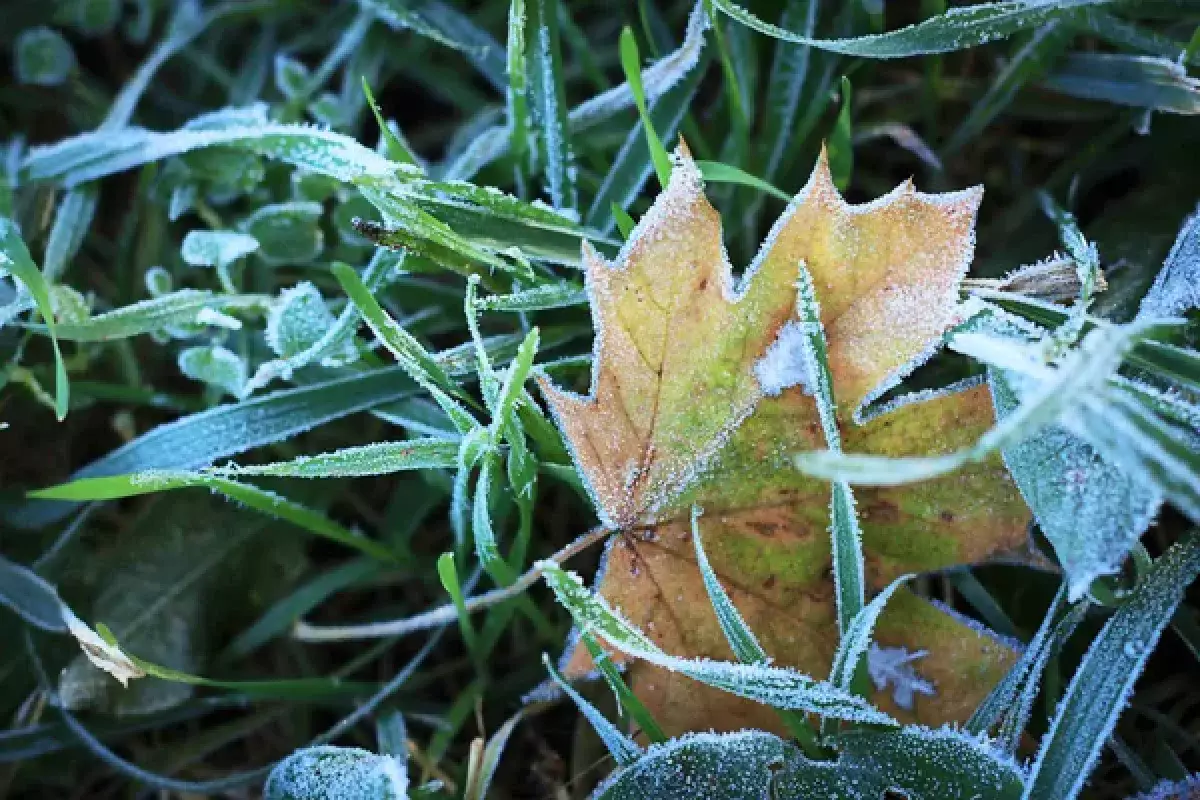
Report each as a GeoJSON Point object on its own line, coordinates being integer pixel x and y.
{"type": "Point", "coordinates": [699, 396]}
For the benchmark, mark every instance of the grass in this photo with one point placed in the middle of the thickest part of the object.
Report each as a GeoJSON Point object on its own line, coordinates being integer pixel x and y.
{"type": "Point", "coordinates": [347, 305]}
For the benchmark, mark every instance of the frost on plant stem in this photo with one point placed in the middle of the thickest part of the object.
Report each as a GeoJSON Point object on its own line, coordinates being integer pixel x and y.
{"type": "Point", "coordinates": [893, 666]}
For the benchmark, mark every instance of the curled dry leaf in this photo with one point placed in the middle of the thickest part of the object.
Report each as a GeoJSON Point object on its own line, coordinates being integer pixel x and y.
{"type": "Point", "coordinates": [699, 397]}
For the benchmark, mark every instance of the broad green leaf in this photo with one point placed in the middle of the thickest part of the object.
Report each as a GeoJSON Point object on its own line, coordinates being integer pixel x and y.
{"type": "Point", "coordinates": [326, 772]}
{"type": "Point", "coordinates": [215, 365]}
{"type": "Point", "coordinates": [1149, 82]}
{"type": "Point", "coordinates": [216, 248]}
{"type": "Point", "coordinates": [733, 765]}
{"type": "Point", "coordinates": [701, 393]}
{"type": "Point", "coordinates": [298, 321]}
{"type": "Point", "coordinates": [43, 57]}
{"type": "Point", "coordinates": [1091, 510]}
{"type": "Point", "coordinates": [1102, 684]}
{"type": "Point", "coordinates": [957, 29]}
{"type": "Point", "coordinates": [287, 233]}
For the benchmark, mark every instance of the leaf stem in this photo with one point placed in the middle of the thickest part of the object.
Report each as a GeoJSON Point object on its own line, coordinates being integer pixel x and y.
{"type": "Point", "coordinates": [446, 614]}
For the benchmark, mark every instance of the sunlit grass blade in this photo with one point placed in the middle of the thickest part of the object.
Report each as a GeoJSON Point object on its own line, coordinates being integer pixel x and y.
{"type": "Point", "coordinates": [631, 64]}
{"type": "Point", "coordinates": [719, 172]}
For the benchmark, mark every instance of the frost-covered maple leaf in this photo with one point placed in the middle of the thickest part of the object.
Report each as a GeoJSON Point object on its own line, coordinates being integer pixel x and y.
{"type": "Point", "coordinates": [699, 396]}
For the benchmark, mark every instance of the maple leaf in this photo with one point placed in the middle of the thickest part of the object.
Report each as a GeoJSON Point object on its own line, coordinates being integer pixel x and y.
{"type": "Point", "coordinates": [698, 396]}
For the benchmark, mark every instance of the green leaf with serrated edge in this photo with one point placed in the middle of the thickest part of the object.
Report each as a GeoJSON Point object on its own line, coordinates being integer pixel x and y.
{"type": "Point", "coordinates": [1101, 685]}
{"type": "Point", "coordinates": [15, 258]}
{"type": "Point", "coordinates": [775, 686]}
{"type": "Point", "coordinates": [200, 439]}
{"type": "Point", "coordinates": [150, 481]}
{"type": "Point", "coordinates": [623, 749]}
{"type": "Point", "coordinates": [378, 458]}
{"type": "Point", "coordinates": [958, 29]}
{"type": "Point", "coordinates": [323, 773]}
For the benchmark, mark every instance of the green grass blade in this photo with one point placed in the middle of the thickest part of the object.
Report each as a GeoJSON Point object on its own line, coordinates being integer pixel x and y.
{"type": "Point", "coordinates": [378, 458]}
{"type": "Point", "coordinates": [631, 64]}
{"type": "Point", "coordinates": [1101, 686]}
{"type": "Point", "coordinates": [32, 597]}
{"type": "Point", "coordinates": [623, 749]}
{"type": "Point", "coordinates": [718, 172]}
{"type": "Point", "coordinates": [114, 487]}
{"type": "Point", "coordinates": [550, 103]}
{"type": "Point", "coordinates": [1147, 82]}
{"type": "Point", "coordinates": [958, 29]}
{"type": "Point", "coordinates": [200, 439]}
{"type": "Point", "coordinates": [15, 258]}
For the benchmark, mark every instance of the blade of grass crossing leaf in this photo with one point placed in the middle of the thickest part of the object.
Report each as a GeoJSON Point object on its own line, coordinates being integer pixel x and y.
{"type": "Point", "coordinates": [628, 701]}
{"type": "Point", "coordinates": [957, 29]}
{"type": "Point", "coordinates": [14, 256]}
{"type": "Point", "coordinates": [549, 101]}
{"type": "Point", "coordinates": [632, 66]}
{"type": "Point", "coordinates": [779, 687]}
{"type": "Point", "coordinates": [856, 639]}
{"type": "Point", "coordinates": [119, 486]}
{"type": "Point", "coordinates": [848, 570]}
{"type": "Point", "coordinates": [1101, 686]}
{"type": "Point", "coordinates": [742, 641]}
{"type": "Point", "coordinates": [624, 223]}
{"type": "Point", "coordinates": [840, 146]}
{"type": "Point", "coordinates": [623, 749]}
